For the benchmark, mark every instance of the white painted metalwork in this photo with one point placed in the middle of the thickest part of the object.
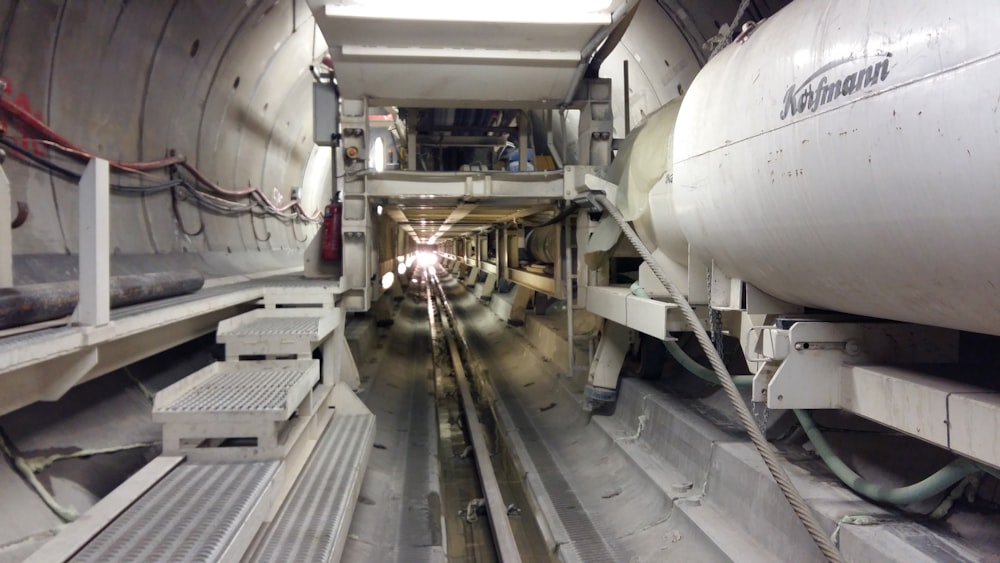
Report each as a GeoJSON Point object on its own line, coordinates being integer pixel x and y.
{"type": "Point", "coordinates": [314, 521]}
{"type": "Point", "coordinates": [433, 54]}
{"type": "Point", "coordinates": [76, 534]}
{"type": "Point", "coordinates": [610, 356]}
{"type": "Point", "coordinates": [277, 332]}
{"type": "Point", "coordinates": [198, 512]}
{"type": "Point", "coordinates": [430, 185]}
{"type": "Point", "coordinates": [655, 318]}
{"type": "Point", "coordinates": [864, 180]}
{"type": "Point", "coordinates": [814, 356]}
{"type": "Point", "coordinates": [228, 400]}
{"type": "Point", "coordinates": [6, 237]}
{"type": "Point", "coordinates": [94, 308]}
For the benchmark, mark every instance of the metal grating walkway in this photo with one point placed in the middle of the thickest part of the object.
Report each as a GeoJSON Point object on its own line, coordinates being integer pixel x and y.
{"type": "Point", "coordinates": [313, 523]}
{"type": "Point", "coordinates": [193, 514]}
{"type": "Point", "coordinates": [261, 390]}
{"type": "Point", "coordinates": [306, 327]}
{"type": "Point", "coordinates": [587, 543]}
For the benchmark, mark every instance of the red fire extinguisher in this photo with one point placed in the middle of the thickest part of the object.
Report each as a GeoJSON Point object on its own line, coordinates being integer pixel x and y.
{"type": "Point", "coordinates": [332, 246]}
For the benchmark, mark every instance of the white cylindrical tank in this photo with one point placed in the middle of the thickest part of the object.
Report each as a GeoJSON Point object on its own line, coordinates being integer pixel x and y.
{"type": "Point", "coordinates": [846, 156]}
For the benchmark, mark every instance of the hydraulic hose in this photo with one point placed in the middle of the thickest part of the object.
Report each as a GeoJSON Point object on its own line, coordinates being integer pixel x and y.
{"type": "Point", "coordinates": [690, 364]}
{"type": "Point", "coordinates": [937, 482]}
{"type": "Point", "coordinates": [901, 496]}
{"type": "Point", "coordinates": [686, 361]}
{"type": "Point", "coordinates": [767, 454]}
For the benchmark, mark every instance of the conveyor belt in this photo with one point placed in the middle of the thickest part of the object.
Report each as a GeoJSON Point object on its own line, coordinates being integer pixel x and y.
{"type": "Point", "coordinates": [312, 524]}
{"type": "Point", "coordinates": [193, 514]}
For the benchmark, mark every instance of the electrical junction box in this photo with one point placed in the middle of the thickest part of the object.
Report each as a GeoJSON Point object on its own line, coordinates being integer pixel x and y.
{"type": "Point", "coordinates": [326, 114]}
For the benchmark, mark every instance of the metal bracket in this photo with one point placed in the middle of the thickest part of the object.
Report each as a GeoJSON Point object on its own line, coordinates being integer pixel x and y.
{"type": "Point", "coordinates": [816, 356]}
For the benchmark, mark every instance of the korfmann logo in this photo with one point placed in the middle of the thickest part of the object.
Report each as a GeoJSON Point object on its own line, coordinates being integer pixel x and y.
{"type": "Point", "coordinates": [811, 95]}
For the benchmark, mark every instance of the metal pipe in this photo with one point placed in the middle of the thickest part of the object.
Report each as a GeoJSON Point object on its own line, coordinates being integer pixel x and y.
{"type": "Point", "coordinates": [591, 47]}
{"type": "Point", "coordinates": [34, 303]}
{"type": "Point", "coordinates": [22, 215]}
{"type": "Point", "coordinates": [611, 42]}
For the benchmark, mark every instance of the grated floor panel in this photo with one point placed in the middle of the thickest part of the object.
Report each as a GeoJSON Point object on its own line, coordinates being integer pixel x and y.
{"type": "Point", "coordinates": [277, 326]}
{"type": "Point", "coordinates": [312, 524]}
{"type": "Point", "coordinates": [191, 515]}
{"type": "Point", "coordinates": [240, 391]}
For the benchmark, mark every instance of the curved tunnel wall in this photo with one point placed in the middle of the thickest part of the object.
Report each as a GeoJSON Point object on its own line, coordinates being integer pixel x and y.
{"type": "Point", "coordinates": [224, 83]}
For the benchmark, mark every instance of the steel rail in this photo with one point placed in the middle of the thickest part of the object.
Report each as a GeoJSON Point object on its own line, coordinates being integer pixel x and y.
{"type": "Point", "coordinates": [503, 535]}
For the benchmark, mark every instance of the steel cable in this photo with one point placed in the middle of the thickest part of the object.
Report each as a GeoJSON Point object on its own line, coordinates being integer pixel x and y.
{"type": "Point", "coordinates": [763, 447]}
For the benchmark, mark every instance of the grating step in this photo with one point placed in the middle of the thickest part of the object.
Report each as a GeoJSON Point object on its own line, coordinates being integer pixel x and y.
{"type": "Point", "coordinates": [312, 525]}
{"type": "Point", "coordinates": [261, 390]}
{"type": "Point", "coordinates": [301, 292]}
{"type": "Point", "coordinates": [198, 512]}
{"type": "Point", "coordinates": [276, 332]}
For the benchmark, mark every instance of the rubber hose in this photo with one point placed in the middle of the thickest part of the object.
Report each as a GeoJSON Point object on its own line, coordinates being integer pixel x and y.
{"type": "Point", "coordinates": [686, 361]}
{"type": "Point", "coordinates": [900, 496]}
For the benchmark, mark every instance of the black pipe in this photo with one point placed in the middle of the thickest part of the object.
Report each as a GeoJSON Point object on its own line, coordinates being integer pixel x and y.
{"type": "Point", "coordinates": [593, 69]}
{"type": "Point", "coordinates": [35, 303]}
{"type": "Point", "coordinates": [22, 215]}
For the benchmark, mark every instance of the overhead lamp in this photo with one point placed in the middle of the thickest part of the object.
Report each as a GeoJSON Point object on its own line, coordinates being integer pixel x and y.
{"type": "Point", "coordinates": [387, 280]}
{"type": "Point", "coordinates": [377, 156]}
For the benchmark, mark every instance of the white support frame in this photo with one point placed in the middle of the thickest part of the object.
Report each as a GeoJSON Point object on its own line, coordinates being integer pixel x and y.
{"type": "Point", "coordinates": [817, 356]}
{"type": "Point", "coordinates": [606, 368]}
{"type": "Point", "coordinates": [94, 308]}
{"type": "Point", "coordinates": [6, 234]}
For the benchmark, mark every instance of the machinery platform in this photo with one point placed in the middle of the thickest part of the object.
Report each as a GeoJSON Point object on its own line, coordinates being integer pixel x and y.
{"type": "Point", "coordinates": [237, 400]}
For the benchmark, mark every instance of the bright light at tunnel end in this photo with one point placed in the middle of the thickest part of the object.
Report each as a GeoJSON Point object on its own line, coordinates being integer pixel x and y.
{"type": "Point", "coordinates": [426, 259]}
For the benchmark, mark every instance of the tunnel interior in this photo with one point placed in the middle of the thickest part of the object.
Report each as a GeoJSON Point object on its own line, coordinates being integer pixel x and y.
{"type": "Point", "coordinates": [205, 111]}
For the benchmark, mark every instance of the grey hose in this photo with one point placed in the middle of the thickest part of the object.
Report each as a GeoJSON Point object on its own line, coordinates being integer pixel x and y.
{"type": "Point", "coordinates": [769, 456]}
{"type": "Point", "coordinates": [900, 496]}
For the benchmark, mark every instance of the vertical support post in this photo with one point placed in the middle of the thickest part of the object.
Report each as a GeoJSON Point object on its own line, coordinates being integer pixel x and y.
{"type": "Point", "coordinates": [570, 302]}
{"type": "Point", "coordinates": [6, 237]}
{"type": "Point", "coordinates": [518, 308]}
{"type": "Point", "coordinates": [501, 242]}
{"type": "Point", "coordinates": [514, 243]}
{"type": "Point", "coordinates": [628, 101]}
{"type": "Point", "coordinates": [522, 141]}
{"type": "Point", "coordinates": [94, 308]}
{"type": "Point", "coordinates": [411, 149]}
{"type": "Point", "coordinates": [605, 370]}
